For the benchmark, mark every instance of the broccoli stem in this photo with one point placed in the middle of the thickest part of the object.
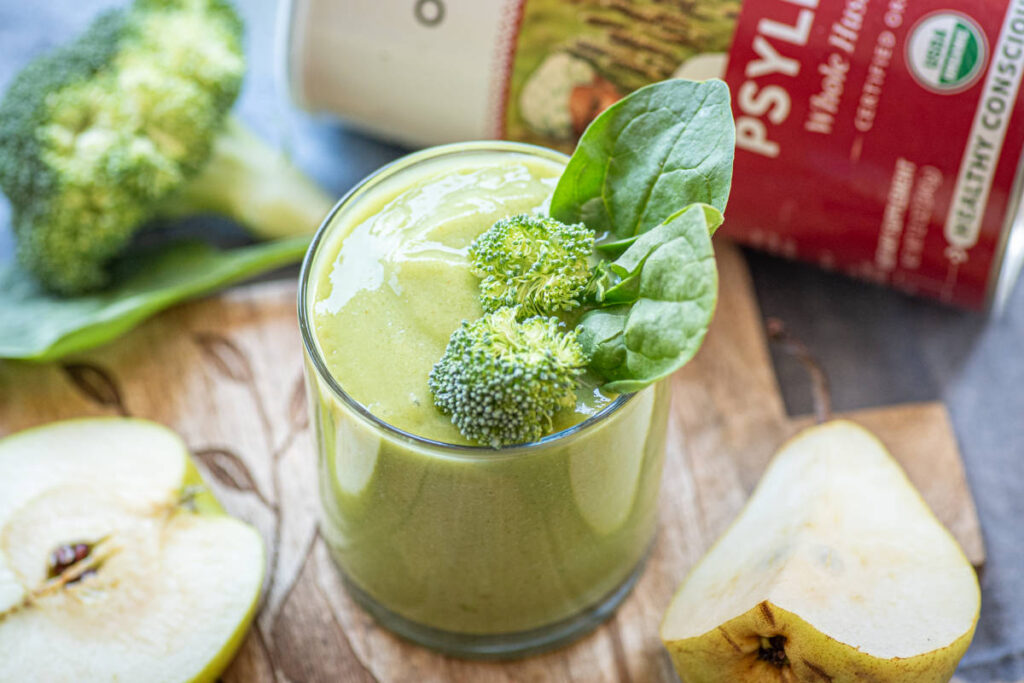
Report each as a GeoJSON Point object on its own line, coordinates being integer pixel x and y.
{"type": "Point", "coordinates": [247, 180]}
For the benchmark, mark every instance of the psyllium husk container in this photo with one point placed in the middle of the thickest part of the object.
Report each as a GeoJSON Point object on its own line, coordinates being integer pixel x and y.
{"type": "Point", "coordinates": [879, 138]}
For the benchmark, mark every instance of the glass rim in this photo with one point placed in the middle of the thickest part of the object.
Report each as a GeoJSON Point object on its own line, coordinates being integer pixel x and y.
{"type": "Point", "coordinates": [309, 337]}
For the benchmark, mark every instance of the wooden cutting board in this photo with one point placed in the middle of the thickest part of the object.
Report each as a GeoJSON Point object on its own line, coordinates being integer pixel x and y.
{"type": "Point", "coordinates": [226, 373]}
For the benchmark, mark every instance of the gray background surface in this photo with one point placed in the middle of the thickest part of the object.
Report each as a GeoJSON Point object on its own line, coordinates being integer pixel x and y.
{"type": "Point", "coordinates": [878, 347]}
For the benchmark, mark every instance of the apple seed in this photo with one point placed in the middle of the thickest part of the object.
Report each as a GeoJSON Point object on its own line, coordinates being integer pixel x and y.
{"type": "Point", "coordinates": [66, 556]}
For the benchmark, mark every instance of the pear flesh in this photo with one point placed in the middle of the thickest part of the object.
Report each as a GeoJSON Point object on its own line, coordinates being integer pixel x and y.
{"type": "Point", "coordinates": [164, 584]}
{"type": "Point", "coordinates": [836, 570]}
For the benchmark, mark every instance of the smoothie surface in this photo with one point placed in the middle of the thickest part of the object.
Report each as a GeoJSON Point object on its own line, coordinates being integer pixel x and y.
{"type": "Point", "coordinates": [393, 281]}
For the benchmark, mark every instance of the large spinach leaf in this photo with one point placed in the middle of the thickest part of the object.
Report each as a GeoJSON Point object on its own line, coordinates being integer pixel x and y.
{"type": "Point", "coordinates": [37, 326]}
{"type": "Point", "coordinates": [658, 310]}
{"type": "Point", "coordinates": [662, 147]}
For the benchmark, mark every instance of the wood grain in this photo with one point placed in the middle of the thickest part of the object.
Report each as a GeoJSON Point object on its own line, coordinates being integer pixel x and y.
{"type": "Point", "coordinates": [226, 373]}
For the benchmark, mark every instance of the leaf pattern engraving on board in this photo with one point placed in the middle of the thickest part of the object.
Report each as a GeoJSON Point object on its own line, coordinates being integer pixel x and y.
{"type": "Point", "coordinates": [224, 355]}
{"type": "Point", "coordinates": [298, 415]}
{"type": "Point", "coordinates": [97, 384]}
{"type": "Point", "coordinates": [305, 604]}
{"type": "Point", "coordinates": [230, 470]}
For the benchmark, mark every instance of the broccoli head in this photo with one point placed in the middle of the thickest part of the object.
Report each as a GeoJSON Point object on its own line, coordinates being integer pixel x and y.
{"type": "Point", "coordinates": [106, 132]}
{"type": "Point", "coordinates": [501, 380]}
{"type": "Point", "coordinates": [538, 264]}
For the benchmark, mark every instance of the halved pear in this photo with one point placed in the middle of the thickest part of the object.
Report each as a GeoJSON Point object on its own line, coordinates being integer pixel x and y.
{"type": "Point", "coordinates": [115, 562]}
{"type": "Point", "coordinates": [836, 570]}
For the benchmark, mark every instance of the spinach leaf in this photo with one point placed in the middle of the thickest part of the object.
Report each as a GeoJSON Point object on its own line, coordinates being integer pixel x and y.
{"type": "Point", "coordinates": [618, 281]}
{"type": "Point", "coordinates": [660, 311]}
{"type": "Point", "coordinates": [35, 325]}
{"type": "Point", "coordinates": [662, 147]}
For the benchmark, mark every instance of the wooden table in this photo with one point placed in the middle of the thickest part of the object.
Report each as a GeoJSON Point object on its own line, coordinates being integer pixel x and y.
{"type": "Point", "coordinates": [226, 372]}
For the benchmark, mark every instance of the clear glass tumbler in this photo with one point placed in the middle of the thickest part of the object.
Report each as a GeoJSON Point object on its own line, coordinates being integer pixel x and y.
{"type": "Point", "coordinates": [472, 551]}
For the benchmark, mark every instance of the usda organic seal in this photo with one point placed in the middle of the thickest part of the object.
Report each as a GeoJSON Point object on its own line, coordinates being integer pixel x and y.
{"type": "Point", "coordinates": [947, 52]}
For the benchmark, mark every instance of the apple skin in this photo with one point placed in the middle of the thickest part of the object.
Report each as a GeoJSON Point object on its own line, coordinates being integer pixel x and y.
{"type": "Point", "coordinates": [207, 504]}
{"type": "Point", "coordinates": [729, 654]}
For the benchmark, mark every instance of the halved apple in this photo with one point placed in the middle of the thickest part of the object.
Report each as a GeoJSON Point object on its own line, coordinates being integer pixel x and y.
{"type": "Point", "coordinates": [115, 562]}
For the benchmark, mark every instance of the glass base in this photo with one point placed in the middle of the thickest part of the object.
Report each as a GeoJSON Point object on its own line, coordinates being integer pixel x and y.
{"type": "Point", "coordinates": [503, 645]}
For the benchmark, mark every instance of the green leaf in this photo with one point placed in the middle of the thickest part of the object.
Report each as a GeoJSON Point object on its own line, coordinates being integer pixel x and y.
{"type": "Point", "coordinates": [618, 282]}
{"type": "Point", "coordinates": [669, 292]}
{"type": "Point", "coordinates": [667, 145]}
{"type": "Point", "coordinates": [662, 147]}
{"type": "Point", "coordinates": [35, 325]}
{"type": "Point", "coordinates": [602, 337]}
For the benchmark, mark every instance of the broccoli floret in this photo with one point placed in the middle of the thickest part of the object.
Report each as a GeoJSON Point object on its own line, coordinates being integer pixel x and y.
{"type": "Point", "coordinates": [538, 264]}
{"type": "Point", "coordinates": [121, 125]}
{"type": "Point", "coordinates": [501, 380]}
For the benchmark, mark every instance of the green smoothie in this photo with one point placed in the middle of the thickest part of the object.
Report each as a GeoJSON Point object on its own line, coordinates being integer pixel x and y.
{"type": "Point", "coordinates": [463, 539]}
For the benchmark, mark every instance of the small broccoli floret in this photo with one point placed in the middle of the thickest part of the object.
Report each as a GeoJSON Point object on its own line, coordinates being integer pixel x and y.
{"type": "Point", "coordinates": [101, 135]}
{"type": "Point", "coordinates": [538, 264]}
{"type": "Point", "coordinates": [502, 380]}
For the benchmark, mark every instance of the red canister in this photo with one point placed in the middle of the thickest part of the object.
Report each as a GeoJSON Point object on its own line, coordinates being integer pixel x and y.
{"type": "Point", "coordinates": [882, 139]}
{"type": "Point", "coordinates": [879, 138]}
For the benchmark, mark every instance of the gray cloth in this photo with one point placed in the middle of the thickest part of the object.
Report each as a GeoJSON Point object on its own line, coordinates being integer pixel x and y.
{"type": "Point", "coordinates": [877, 346]}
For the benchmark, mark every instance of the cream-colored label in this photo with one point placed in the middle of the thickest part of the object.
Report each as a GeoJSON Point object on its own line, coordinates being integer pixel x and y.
{"type": "Point", "coordinates": [436, 84]}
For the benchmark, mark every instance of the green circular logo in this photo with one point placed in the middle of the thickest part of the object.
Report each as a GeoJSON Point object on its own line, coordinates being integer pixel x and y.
{"type": "Point", "coordinates": [947, 52]}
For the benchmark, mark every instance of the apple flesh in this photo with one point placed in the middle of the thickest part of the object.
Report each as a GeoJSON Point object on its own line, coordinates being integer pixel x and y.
{"type": "Point", "coordinates": [836, 570]}
{"type": "Point", "coordinates": [115, 562]}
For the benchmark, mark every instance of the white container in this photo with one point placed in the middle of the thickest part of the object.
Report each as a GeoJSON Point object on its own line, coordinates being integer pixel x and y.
{"type": "Point", "coordinates": [879, 140]}
{"type": "Point", "coordinates": [420, 72]}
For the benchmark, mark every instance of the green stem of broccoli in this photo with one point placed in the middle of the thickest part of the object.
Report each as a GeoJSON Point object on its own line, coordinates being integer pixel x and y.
{"type": "Point", "coordinates": [247, 180]}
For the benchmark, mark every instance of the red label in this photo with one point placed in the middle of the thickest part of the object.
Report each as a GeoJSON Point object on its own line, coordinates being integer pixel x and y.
{"type": "Point", "coordinates": [880, 138]}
